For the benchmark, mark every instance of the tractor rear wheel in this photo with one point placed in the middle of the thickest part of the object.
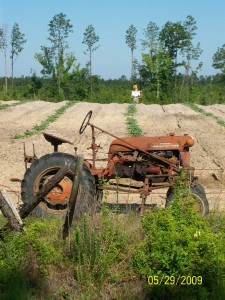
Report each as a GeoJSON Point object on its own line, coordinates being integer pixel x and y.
{"type": "Point", "coordinates": [197, 195]}
{"type": "Point", "coordinates": [41, 171]}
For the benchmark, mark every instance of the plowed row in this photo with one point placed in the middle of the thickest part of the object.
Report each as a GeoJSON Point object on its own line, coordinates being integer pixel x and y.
{"type": "Point", "coordinates": [207, 155]}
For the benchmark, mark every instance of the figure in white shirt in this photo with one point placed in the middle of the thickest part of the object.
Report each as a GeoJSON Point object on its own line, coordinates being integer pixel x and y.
{"type": "Point", "coordinates": [135, 94]}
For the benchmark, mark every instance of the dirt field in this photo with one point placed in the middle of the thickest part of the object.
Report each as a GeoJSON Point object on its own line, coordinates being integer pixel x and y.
{"type": "Point", "coordinates": [207, 155]}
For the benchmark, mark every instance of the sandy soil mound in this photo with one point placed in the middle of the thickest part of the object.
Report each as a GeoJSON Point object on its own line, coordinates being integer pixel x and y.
{"type": "Point", "coordinates": [217, 110]}
{"type": "Point", "coordinates": [17, 119]}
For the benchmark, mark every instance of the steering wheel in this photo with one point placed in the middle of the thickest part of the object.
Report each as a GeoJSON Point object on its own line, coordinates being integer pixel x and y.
{"type": "Point", "coordinates": [85, 122]}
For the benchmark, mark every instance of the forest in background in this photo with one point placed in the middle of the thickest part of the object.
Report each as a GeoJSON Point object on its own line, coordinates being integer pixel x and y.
{"type": "Point", "coordinates": [204, 90]}
{"type": "Point", "coordinates": [168, 72]}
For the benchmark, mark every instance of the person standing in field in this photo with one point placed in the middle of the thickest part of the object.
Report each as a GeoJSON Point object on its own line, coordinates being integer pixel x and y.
{"type": "Point", "coordinates": [135, 94]}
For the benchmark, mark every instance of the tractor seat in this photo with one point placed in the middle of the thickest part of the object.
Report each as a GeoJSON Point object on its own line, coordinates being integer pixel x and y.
{"type": "Point", "coordinates": [55, 141]}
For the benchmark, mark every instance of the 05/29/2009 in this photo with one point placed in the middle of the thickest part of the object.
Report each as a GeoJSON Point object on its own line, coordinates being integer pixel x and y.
{"type": "Point", "coordinates": [173, 280]}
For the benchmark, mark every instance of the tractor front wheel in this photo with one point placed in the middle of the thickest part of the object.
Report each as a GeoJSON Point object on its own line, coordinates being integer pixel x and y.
{"type": "Point", "coordinates": [197, 196]}
{"type": "Point", "coordinates": [42, 170]}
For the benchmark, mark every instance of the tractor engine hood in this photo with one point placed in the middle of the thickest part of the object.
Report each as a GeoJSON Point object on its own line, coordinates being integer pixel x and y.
{"type": "Point", "coordinates": [146, 143]}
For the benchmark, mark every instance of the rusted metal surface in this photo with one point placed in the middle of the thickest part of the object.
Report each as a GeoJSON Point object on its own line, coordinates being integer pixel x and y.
{"type": "Point", "coordinates": [55, 141]}
{"type": "Point", "coordinates": [151, 143]}
{"type": "Point", "coordinates": [154, 161]}
{"type": "Point", "coordinates": [134, 144]}
{"type": "Point", "coordinates": [28, 159]}
{"type": "Point", "coordinates": [60, 193]}
{"type": "Point", "coordinates": [57, 199]}
{"type": "Point", "coordinates": [42, 191]}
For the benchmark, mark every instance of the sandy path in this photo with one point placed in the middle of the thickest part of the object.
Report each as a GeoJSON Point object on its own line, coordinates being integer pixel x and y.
{"type": "Point", "coordinates": [2, 102]}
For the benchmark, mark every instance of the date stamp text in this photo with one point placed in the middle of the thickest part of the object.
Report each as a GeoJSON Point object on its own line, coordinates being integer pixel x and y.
{"type": "Point", "coordinates": [172, 280]}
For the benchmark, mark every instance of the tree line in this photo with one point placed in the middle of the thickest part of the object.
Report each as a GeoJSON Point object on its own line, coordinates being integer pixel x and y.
{"type": "Point", "coordinates": [170, 60]}
{"type": "Point", "coordinates": [168, 71]}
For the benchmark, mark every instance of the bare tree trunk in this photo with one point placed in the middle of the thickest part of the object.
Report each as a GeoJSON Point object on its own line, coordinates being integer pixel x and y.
{"type": "Point", "coordinates": [175, 80]}
{"type": "Point", "coordinates": [91, 82]}
{"type": "Point", "coordinates": [5, 56]}
{"type": "Point", "coordinates": [181, 88]}
{"type": "Point", "coordinates": [59, 75]}
{"type": "Point", "coordinates": [132, 66]}
{"type": "Point", "coordinates": [12, 70]}
{"type": "Point", "coordinates": [6, 78]}
{"type": "Point", "coordinates": [187, 80]}
{"type": "Point", "coordinates": [158, 87]}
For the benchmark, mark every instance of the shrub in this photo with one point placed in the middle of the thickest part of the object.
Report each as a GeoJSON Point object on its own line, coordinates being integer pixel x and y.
{"type": "Point", "coordinates": [180, 243]}
{"type": "Point", "coordinates": [17, 249]}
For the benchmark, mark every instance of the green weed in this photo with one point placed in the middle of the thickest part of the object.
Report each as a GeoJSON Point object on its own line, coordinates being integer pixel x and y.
{"type": "Point", "coordinates": [4, 106]}
{"type": "Point", "coordinates": [18, 288]}
{"type": "Point", "coordinates": [131, 110]}
{"type": "Point", "coordinates": [132, 127]}
{"type": "Point", "coordinates": [101, 250]}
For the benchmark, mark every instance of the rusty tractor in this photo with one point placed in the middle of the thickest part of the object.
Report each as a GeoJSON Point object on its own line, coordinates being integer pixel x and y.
{"type": "Point", "coordinates": [153, 162]}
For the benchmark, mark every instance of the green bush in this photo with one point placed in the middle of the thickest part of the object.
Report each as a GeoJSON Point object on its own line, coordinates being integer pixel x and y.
{"type": "Point", "coordinates": [180, 243]}
{"type": "Point", "coordinates": [17, 249]}
{"type": "Point", "coordinates": [12, 256]}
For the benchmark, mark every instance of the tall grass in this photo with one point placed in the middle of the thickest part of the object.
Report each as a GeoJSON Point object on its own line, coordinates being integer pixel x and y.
{"type": "Point", "coordinates": [111, 256]}
{"type": "Point", "coordinates": [94, 263]}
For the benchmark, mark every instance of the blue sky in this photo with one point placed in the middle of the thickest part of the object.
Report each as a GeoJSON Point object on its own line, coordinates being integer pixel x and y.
{"type": "Point", "coordinates": [111, 19]}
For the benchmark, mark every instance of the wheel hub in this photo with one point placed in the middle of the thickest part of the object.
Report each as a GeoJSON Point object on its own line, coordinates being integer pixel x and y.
{"type": "Point", "coordinates": [60, 194]}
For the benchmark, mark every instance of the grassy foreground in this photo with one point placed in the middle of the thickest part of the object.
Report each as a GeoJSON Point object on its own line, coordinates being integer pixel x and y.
{"type": "Point", "coordinates": [167, 254]}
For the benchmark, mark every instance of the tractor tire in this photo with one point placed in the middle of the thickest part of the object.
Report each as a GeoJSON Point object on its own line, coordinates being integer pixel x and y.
{"type": "Point", "coordinates": [41, 170]}
{"type": "Point", "coordinates": [197, 192]}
